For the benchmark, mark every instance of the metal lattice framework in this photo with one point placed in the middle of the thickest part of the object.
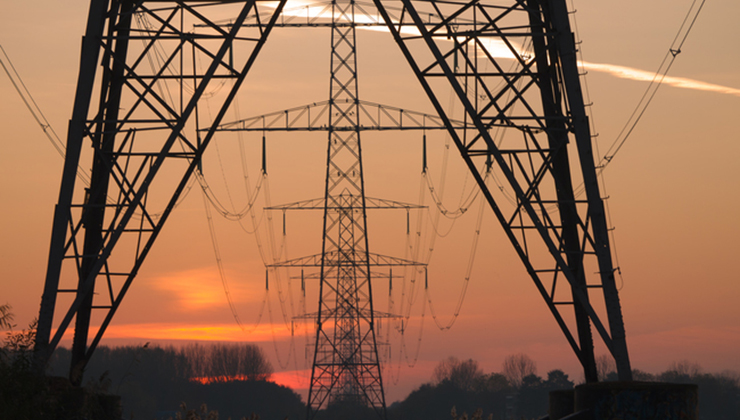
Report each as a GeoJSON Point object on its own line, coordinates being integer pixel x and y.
{"type": "Point", "coordinates": [525, 117]}
{"type": "Point", "coordinates": [346, 367]}
{"type": "Point", "coordinates": [315, 117]}
{"type": "Point", "coordinates": [512, 68]}
{"type": "Point", "coordinates": [143, 127]}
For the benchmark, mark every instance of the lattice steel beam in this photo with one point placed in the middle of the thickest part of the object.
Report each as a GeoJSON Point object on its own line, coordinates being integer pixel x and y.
{"type": "Point", "coordinates": [147, 107]}
{"type": "Point", "coordinates": [559, 238]}
{"type": "Point", "coordinates": [315, 117]}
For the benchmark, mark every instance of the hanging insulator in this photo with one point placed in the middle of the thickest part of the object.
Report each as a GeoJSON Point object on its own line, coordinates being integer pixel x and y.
{"type": "Point", "coordinates": [390, 283]}
{"type": "Point", "coordinates": [408, 222]}
{"type": "Point", "coordinates": [456, 52]}
{"type": "Point", "coordinates": [303, 284]}
{"type": "Point", "coordinates": [198, 142]}
{"type": "Point", "coordinates": [426, 278]}
{"type": "Point", "coordinates": [267, 279]}
{"type": "Point", "coordinates": [231, 55]}
{"type": "Point", "coordinates": [424, 154]}
{"type": "Point", "coordinates": [489, 162]}
{"type": "Point", "coordinates": [264, 155]}
{"type": "Point", "coordinates": [283, 222]}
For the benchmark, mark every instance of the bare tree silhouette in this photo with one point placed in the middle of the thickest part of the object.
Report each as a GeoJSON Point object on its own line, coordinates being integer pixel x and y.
{"type": "Point", "coordinates": [464, 374]}
{"type": "Point", "coordinates": [517, 367]}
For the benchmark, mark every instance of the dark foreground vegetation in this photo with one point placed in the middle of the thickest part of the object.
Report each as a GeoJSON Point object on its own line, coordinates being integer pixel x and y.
{"type": "Point", "coordinates": [223, 381]}
{"type": "Point", "coordinates": [153, 382]}
{"type": "Point", "coordinates": [519, 393]}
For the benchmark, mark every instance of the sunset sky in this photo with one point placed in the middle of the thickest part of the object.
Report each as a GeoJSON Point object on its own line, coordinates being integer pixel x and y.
{"type": "Point", "coordinates": [673, 198]}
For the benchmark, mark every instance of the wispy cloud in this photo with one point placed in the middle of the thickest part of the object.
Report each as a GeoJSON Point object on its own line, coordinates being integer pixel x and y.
{"type": "Point", "coordinates": [199, 289]}
{"type": "Point", "coordinates": [263, 332]}
{"type": "Point", "coordinates": [192, 289]}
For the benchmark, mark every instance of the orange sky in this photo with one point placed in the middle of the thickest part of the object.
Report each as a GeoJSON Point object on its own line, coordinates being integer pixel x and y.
{"type": "Point", "coordinates": [673, 199]}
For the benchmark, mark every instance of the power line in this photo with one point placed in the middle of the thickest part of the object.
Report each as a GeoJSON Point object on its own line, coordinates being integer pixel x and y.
{"type": "Point", "coordinates": [35, 110]}
{"type": "Point", "coordinates": [652, 89]}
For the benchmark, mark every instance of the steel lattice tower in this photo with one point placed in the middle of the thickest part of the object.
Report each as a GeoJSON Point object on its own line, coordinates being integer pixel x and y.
{"type": "Point", "coordinates": [345, 365]}
{"type": "Point", "coordinates": [512, 68]}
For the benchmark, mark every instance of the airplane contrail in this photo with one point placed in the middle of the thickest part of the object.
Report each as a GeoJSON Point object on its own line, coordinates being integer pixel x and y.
{"type": "Point", "coordinates": [498, 49]}
{"type": "Point", "coordinates": [630, 73]}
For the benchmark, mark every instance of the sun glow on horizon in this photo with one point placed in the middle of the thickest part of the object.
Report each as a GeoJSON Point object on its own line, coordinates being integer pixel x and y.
{"type": "Point", "coordinates": [293, 379]}
{"type": "Point", "coordinates": [213, 332]}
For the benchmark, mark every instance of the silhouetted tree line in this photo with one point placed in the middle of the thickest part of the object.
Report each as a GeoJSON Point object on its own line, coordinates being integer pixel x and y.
{"type": "Point", "coordinates": [153, 381]}
{"type": "Point", "coordinates": [460, 389]}
{"type": "Point", "coordinates": [160, 383]}
{"type": "Point", "coordinates": [222, 362]}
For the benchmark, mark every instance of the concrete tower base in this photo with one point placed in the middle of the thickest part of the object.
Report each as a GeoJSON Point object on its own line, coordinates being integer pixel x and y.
{"type": "Point", "coordinates": [626, 401]}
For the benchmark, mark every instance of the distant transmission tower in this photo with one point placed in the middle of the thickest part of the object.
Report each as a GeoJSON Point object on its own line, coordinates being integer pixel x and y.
{"type": "Point", "coordinates": [511, 66]}
{"type": "Point", "coordinates": [346, 367]}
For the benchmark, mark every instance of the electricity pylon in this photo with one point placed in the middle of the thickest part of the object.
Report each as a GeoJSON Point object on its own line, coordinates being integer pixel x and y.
{"type": "Point", "coordinates": [512, 68]}
{"type": "Point", "coordinates": [346, 367]}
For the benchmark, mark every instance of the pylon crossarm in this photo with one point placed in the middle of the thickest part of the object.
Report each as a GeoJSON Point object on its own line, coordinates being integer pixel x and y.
{"type": "Point", "coordinates": [370, 203]}
{"type": "Point", "coordinates": [315, 117]}
{"type": "Point", "coordinates": [319, 15]}
{"type": "Point", "coordinates": [388, 261]}
{"type": "Point", "coordinates": [308, 261]}
{"type": "Point", "coordinates": [317, 276]}
{"type": "Point", "coordinates": [331, 260]}
{"type": "Point", "coordinates": [382, 203]}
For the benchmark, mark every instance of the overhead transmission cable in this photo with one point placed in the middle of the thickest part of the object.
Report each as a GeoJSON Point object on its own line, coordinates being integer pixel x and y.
{"type": "Point", "coordinates": [51, 134]}
{"type": "Point", "coordinates": [412, 362]}
{"type": "Point", "coordinates": [673, 51]}
{"type": "Point", "coordinates": [208, 195]}
{"type": "Point", "coordinates": [466, 201]}
{"type": "Point", "coordinates": [409, 290]}
{"type": "Point", "coordinates": [437, 195]}
{"type": "Point", "coordinates": [468, 273]}
{"type": "Point", "coordinates": [273, 251]}
{"type": "Point", "coordinates": [156, 61]}
{"type": "Point", "coordinates": [35, 110]}
{"type": "Point", "coordinates": [222, 274]}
